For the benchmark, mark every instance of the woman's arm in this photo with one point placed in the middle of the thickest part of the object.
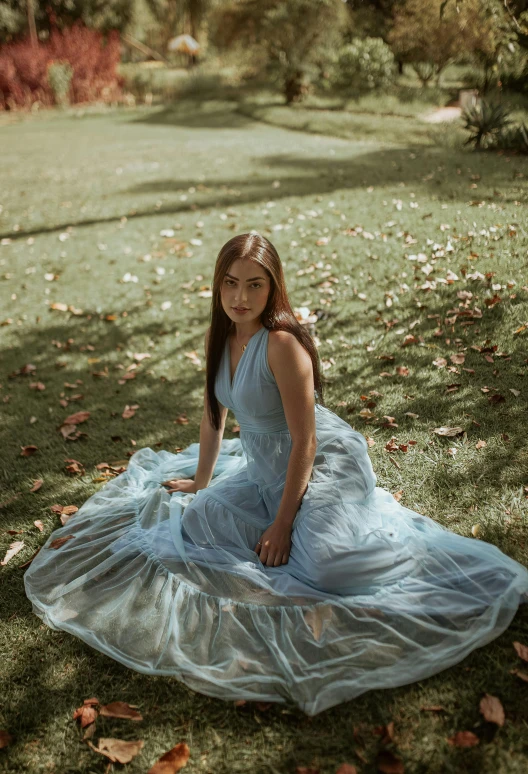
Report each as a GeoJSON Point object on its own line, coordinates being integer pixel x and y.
{"type": "Point", "coordinates": [292, 368]}
{"type": "Point", "coordinates": [210, 440]}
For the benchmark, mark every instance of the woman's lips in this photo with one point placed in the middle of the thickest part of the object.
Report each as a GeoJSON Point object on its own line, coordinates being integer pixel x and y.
{"type": "Point", "coordinates": [239, 309]}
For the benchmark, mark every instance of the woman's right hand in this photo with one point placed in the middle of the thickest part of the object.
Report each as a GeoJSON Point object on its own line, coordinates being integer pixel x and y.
{"type": "Point", "coordinates": [180, 485]}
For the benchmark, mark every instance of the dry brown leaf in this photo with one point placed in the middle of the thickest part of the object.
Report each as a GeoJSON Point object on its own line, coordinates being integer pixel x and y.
{"type": "Point", "coordinates": [492, 709]}
{"type": "Point", "coordinates": [317, 619]}
{"type": "Point", "coordinates": [346, 768]}
{"type": "Point", "coordinates": [120, 709]}
{"type": "Point", "coordinates": [386, 732]}
{"type": "Point", "coordinates": [60, 541]}
{"type": "Point", "coordinates": [172, 761]}
{"type": "Point", "coordinates": [458, 358]}
{"type": "Point", "coordinates": [39, 525]}
{"type": "Point", "coordinates": [74, 467]}
{"type": "Point", "coordinates": [519, 674]}
{"type": "Point", "coordinates": [480, 444]}
{"type": "Point", "coordinates": [117, 750]}
{"type": "Point", "coordinates": [521, 650]}
{"type": "Point", "coordinates": [85, 714]}
{"type": "Point", "coordinates": [27, 451]}
{"type": "Point", "coordinates": [77, 418]}
{"type": "Point", "coordinates": [26, 564]}
{"type": "Point", "coordinates": [464, 739]}
{"type": "Point", "coordinates": [398, 495]}
{"type": "Point", "coordinates": [388, 763]}
{"type": "Point", "coordinates": [14, 548]}
{"type": "Point", "coordinates": [36, 486]}
{"type": "Point", "coordinates": [5, 739]}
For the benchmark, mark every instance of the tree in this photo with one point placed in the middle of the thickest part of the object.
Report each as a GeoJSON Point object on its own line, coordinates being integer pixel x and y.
{"type": "Point", "coordinates": [289, 38]}
{"type": "Point", "coordinates": [98, 14]}
{"type": "Point", "coordinates": [431, 35]}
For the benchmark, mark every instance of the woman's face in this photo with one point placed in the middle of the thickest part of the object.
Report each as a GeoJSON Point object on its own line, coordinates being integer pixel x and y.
{"type": "Point", "coordinates": [245, 286]}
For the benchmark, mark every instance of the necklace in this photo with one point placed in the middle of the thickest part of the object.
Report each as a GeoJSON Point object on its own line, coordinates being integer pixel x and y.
{"type": "Point", "coordinates": [243, 346]}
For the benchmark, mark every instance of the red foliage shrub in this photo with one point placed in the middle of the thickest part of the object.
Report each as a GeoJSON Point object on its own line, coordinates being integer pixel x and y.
{"type": "Point", "coordinates": [93, 56]}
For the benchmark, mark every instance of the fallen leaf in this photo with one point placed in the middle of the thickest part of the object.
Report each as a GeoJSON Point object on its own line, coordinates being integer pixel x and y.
{"type": "Point", "coordinates": [58, 542]}
{"type": "Point", "coordinates": [172, 761]}
{"type": "Point", "coordinates": [27, 451]}
{"type": "Point", "coordinates": [346, 768]}
{"type": "Point", "coordinates": [449, 431]}
{"type": "Point", "coordinates": [386, 732]}
{"type": "Point", "coordinates": [398, 495]}
{"type": "Point", "coordinates": [388, 763]}
{"type": "Point", "coordinates": [14, 549]}
{"type": "Point", "coordinates": [39, 525]}
{"type": "Point", "coordinates": [5, 739]}
{"type": "Point", "coordinates": [458, 358]}
{"type": "Point", "coordinates": [117, 750]}
{"type": "Point", "coordinates": [76, 419]}
{"type": "Point", "coordinates": [480, 444]}
{"type": "Point", "coordinates": [85, 714]}
{"type": "Point", "coordinates": [120, 709]}
{"type": "Point", "coordinates": [492, 709]}
{"type": "Point", "coordinates": [26, 564]}
{"type": "Point", "coordinates": [464, 739]}
{"type": "Point", "coordinates": [317, 619]}
{"type": "Point", "coordinates": [521, 650]}
{"type": "Point", "coordinates": [36, 486]}
{"type": "Point", "coordinates": [519, 674]}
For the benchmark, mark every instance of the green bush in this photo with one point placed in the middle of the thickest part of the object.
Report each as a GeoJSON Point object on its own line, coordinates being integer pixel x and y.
{"type": "Point", "coordinates": [366, 64]}
{"type": "Point", "coordinates": [513, 138]}
{"type": "Point", "coordinates": [513, 70]}
{"type": "Point", "coordinates": [59, 79]}
{"type": "Point", "coordinates": [485, 121]}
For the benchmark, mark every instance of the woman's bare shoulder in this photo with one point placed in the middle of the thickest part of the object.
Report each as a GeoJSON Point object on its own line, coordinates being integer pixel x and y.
{"type": "Point", "coordinates": [284, 346]}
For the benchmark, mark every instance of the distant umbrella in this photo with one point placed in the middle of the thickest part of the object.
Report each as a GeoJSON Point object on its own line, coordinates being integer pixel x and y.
{"type": "Point", "coordinates": [184, 43]}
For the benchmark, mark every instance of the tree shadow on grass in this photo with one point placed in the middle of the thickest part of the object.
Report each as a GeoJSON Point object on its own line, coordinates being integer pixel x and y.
{"type": "Point", "coordinates": [305, 177]}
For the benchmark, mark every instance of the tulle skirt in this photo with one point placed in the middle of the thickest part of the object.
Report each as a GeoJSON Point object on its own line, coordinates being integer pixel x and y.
{"type": "Point", "coordinates": [374, 595]}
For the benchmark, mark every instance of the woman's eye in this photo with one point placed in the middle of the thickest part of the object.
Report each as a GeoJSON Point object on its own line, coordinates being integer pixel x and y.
{"type": "Point", "coordinates": [256, 285]}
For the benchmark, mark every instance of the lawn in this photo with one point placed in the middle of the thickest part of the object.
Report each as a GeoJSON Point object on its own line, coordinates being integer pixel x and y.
{"type": "Point", "coordinates": [414, 255]}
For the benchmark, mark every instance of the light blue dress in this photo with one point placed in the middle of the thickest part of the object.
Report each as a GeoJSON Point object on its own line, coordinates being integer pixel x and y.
{"type": "Point", "coordinates": [374, 595]}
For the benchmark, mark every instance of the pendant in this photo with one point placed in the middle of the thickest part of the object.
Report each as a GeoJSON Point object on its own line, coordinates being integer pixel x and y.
{"type": "Point", "coordinates": [244, 347]}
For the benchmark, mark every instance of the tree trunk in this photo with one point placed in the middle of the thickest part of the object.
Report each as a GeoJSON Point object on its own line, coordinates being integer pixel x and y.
{"type": "Point", "coordinates": [293, 86]}
{"type": "Point", "coordinates": [31, 23]}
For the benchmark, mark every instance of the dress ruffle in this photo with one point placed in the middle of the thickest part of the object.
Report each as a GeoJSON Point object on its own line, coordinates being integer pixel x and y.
{"type": "Point", "coordinates": [374, 595]}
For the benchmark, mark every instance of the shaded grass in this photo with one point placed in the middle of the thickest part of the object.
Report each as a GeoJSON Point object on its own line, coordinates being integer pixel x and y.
{"type": "Point", "coordinates": [112, 182]}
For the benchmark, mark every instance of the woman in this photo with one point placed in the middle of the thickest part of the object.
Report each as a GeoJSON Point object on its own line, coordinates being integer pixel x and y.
{"type": "Point", "coordinates": [269, 567]}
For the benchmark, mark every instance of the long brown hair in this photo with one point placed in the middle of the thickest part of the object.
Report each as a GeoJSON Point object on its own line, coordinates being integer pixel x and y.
{"type": "Point", "coordinates": [278, 314]}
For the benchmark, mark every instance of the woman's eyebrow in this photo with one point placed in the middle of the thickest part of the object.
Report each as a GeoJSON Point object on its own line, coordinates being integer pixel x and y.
{"type": "Point", "coordinates": [248, 280]}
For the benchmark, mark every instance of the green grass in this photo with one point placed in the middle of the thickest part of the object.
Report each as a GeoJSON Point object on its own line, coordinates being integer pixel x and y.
{"type": "Point", "coordinates": [111, 181]}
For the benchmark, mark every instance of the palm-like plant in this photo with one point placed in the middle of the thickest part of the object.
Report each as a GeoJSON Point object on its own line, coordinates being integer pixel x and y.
{"type": "Point", "coordinates": [486, 121]}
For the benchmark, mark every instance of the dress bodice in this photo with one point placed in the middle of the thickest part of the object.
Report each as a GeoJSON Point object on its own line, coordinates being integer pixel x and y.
{"type": "Point", "coordinates": [253, 395]}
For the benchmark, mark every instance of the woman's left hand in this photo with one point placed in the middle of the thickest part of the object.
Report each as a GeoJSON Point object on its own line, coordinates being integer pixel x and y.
{"type": "Point", "coordinates": [274, 545]}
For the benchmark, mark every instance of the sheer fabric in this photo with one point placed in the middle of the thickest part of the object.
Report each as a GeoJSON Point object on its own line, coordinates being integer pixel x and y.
{"type": "Point", "coordinates": [374, 595]}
